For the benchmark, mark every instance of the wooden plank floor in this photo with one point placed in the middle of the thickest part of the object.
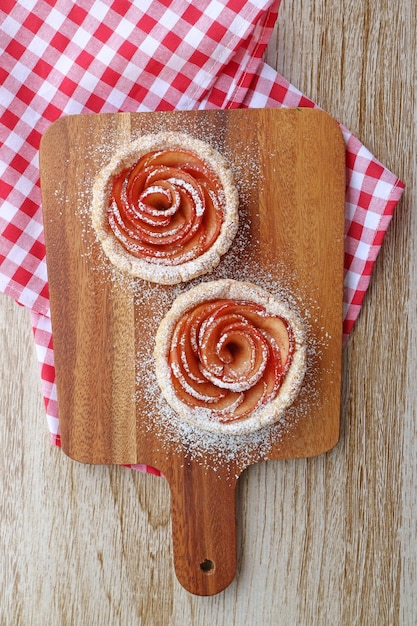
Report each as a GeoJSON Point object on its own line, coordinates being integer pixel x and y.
{"type": "Point", "coordinates": [330, 540]}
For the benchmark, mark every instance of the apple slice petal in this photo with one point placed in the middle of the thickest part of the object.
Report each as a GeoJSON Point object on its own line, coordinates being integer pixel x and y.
{"type": "Point", "coordinates": [230, 356]}
{"type": "Point", "coordinates": [168, 207]}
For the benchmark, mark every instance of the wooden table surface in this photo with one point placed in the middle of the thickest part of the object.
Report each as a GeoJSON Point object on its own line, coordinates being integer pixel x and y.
{"type": "Point", "coordinates": [329, 540]}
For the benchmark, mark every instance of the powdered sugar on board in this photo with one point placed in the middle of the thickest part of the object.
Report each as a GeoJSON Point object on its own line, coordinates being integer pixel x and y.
{"type": "Point", "coordinates": [213, 449]}
{"type": "Point", "coordinates": [153, 301]}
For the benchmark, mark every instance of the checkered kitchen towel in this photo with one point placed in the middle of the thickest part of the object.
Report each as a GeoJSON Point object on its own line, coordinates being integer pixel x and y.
{"type": "Point", "coordinates": [62, 57]}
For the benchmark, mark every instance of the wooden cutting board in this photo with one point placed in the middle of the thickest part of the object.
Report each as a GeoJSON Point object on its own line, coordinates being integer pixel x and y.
{"type": "Point", "coordinates": [289, 167]}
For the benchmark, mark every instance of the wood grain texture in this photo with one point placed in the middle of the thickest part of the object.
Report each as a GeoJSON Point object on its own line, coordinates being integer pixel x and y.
{"type": "Point", "coordinates": [292, 224]}
{"type": "Point", "coordinates": [328, 540]}
{"type": "Point", "coordinates": [291, 228]}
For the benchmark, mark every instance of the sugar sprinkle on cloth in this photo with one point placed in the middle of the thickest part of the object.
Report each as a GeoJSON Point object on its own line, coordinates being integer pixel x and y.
{"type": "Point", "coordinates": [61, 58]}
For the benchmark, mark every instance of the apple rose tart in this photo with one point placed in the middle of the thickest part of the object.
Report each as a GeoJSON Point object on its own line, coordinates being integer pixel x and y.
{"type": "Point", "coordinates": [230, 357]}
{"type": "Point", "coordinates": [166, 208]}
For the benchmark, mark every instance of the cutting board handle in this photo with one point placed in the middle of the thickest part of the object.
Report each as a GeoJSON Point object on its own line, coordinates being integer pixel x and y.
{"type": "Point", "coordinates": [203, 508]}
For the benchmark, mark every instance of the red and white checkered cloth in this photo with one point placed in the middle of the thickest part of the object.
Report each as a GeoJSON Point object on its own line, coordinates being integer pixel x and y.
{"type": "Point", "coordinates": [58, 57]}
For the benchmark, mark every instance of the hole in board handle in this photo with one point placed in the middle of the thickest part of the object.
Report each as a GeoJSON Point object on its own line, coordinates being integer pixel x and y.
{"type": "Point", "coordinates": [207, 566]}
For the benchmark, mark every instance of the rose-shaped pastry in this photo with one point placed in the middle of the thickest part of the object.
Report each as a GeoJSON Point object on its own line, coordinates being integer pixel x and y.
{"type": "Point", "coordinates": [230, 357]}
{"type": "Point", "coordinates": [166, 208]}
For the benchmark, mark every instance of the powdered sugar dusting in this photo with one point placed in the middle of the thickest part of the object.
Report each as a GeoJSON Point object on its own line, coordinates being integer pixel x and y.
{"type": "Point", "coordinates": [209, 448]}
{"type": "Point", "coordinates": [152, 302]}
{"type": "Point", "coordinates": [167, 265]}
